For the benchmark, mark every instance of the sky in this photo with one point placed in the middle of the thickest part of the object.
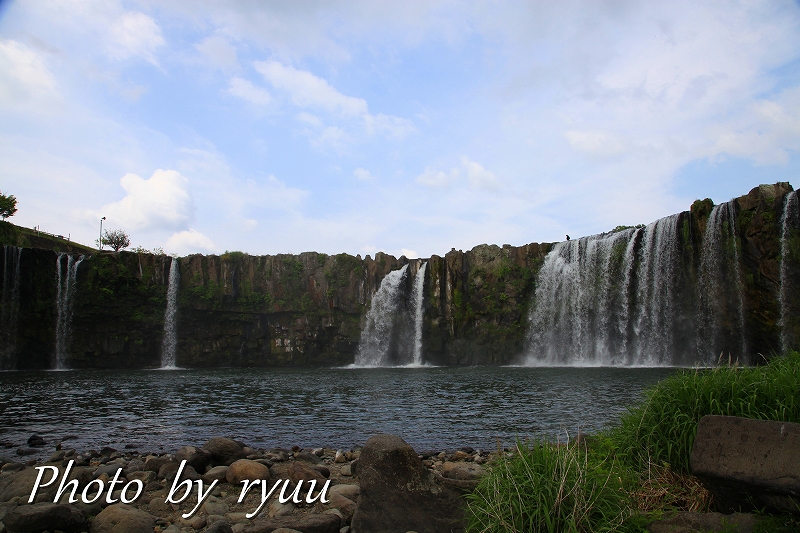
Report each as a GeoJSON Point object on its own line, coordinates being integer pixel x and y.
{"type": "Point", "coordinates": [407, 127]}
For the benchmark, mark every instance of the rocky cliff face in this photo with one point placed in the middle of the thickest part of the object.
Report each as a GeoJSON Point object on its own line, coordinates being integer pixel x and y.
{"type": "Point", "coordinates": [308, 309]}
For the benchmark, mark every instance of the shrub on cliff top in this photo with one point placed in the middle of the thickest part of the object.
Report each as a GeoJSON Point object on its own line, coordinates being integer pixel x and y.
{"type": "Point", "coordinates": [662, 429]}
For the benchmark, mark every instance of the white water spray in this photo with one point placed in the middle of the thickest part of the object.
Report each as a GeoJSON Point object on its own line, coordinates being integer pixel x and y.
{"type": "Point", "coordinates": [65, 294]}
{"type": "Point", "coordinates": [376, 338]}
{"type": "Point", "coordinates": [789, 228]}
{"type": "Point", "coordinates": [417, 298]}
{"type": "Point", "coordinates": [170, 342]}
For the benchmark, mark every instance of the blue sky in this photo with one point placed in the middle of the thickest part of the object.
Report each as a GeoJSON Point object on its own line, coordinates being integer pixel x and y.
{"type": "Point", "coordinates": [405, 127]}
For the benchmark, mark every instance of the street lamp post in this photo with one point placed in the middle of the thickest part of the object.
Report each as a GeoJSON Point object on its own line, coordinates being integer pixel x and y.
{"type": "Point", "coordinates": [100, 242]}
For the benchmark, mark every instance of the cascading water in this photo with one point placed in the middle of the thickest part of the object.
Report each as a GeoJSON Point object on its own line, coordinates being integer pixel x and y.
{"type": "Point", "coordinates": [417, 298]}
{"type": "Point", "coordinates": [381, 319]}
{"type": "Point", "coordinates": [170, 342]}
{"type": "Point", "coordinates": [721, 292]}
{"type": "Point", "coordinates": [10, 307]}
{"type": "Point", "coordinates": [609, 299]}
{"type": "Point", "coordinates": [581, 289]}
{"type": "Point", "coordinates": [790, 262]}
{"type": "Point", "coordinates": [65, 293]}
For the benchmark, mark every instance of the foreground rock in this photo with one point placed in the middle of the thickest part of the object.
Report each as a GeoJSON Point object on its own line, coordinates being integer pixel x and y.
{"type": "Point", "coordinates": [121, 518]}
{"type": "Point", "coordinates": [44, 517]}
{"type": "Point", "coordinates": [398, 494]}
{"type": "Point", "coordinates": [745, 462]}
{"type": "Point", "coordinates": [705, 523]}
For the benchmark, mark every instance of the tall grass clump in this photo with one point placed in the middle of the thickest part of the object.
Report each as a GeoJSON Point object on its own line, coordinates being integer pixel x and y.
{"type": "Point", "coordinates": [550, 488]}
{"type": "Point", "coordinates": [661, 430]}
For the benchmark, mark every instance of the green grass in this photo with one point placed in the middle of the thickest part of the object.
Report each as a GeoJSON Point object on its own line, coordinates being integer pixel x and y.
{"type": "Point", "coordinates": [662, 429]}
{"type": "Point", "coordinates": [551, 488]}
{"type": "Point", "coordinates": [638, 470]}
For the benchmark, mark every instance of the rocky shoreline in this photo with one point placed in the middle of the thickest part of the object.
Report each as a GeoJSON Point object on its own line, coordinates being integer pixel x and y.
{"type": "Point", "coordinates": [443, 477]}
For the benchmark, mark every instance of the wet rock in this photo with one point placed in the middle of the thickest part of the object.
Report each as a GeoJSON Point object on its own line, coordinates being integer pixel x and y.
{"type": "Point", "coordinates": [322, 469]}
{"type": "Point", "coordinates": [745, 462]}
{"type": "Point", "coordinates": [299, 471]}
{"type": "Point", "coordinates": [704, 523]}
{"type": "Point", "coordinates": [21, 483]}
{"type": "Point", "coordinates": [464, 471]}
{"type": "Point", "coordinates": [220, 526]}
{"type": "Point", "coordinates": [398, 494]}
{"type": "Point", "coordinates": [224, 451]}
{"type": "Point", "coordinates": [197, 458]}
{"type": "Point", "coordinates": [345, 506]}
{"type": "Point", "coordinates": [154, 463]}
{"type": "Point", "coordinates": [309, 523]}
{"type": "Point", "coordinates": [348, 491]}
{"type": "Point", "coordinates": [218, 473]}
{"type": "Point", "coordinates": [109, 469]}
{"type": "Point", "coordinates": [246, 469]}
{"type": "Point", "coordinates": [308, 458]}
{"type": "Point", "coordinates": [36, 441]}
{"type": "Point", "coordinates": [121, 518]}
{"type": "Point", "coordinates": [26, 451]}
{"type": "Point", "coordinates": [44, 517]}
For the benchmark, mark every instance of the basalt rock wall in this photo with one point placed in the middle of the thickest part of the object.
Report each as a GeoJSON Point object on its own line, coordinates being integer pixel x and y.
{"type": "Point", "coordinates": [308, 309]}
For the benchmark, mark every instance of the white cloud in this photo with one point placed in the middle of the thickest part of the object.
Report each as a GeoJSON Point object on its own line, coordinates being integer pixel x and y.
{"type": "Point", "coordinates": [188, 242]}
{"type": "Point", "coordinates": [161, 202]}
{"type": "Point", "coordinates": [477, 176]}
{"type": "Point", "coordinates": [309, 91]}
{"type": "Point", "coordinates": [437, 178]}
{"type": "Point", "coordinates": [219, 53]}
{"type": "Point", "coordinates": [363, 174]}
{"type": "Point", "coordinates": [24, 77]}
{"type": "Point", "coordinates": [135, 34]}
{"type": "Point", "coordinates": [410, 254]}
{"type": "Point", "coordinates": [596, 143]}
{"type": "Point", "coordinates": [248, 92]}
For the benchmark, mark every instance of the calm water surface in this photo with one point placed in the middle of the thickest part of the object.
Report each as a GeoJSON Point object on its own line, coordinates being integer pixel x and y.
{"type": "Point", "coordinates": [431, 408]}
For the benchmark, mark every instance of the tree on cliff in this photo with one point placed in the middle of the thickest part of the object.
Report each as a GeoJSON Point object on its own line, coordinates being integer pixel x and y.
{"type": "Point", "coordinates": [8, 205]}
{"type": "Point", "coordinates": [116, 239]}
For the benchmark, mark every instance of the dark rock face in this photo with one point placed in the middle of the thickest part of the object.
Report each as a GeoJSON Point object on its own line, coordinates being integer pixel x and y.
{"type": "Point", "coordinates": [745, 462]}
{"type": "Point", "coordinates": [399, 494]}
{"type": "Point", "coordinates": [308, 309]}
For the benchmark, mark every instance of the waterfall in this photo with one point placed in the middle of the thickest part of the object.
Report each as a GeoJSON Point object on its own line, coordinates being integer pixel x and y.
{"type": "Point", "coordinates": [610, 299]}
{"type": "Point", "coordinates": [790, 257]}
{"type": "Point", "coordinates": [381, 321]}
{"type": "Point", "coordinates": [721, 292]}
{"type": "Point", "coordinates": [417, 298]}
{"type": "Point", "coordinates": [10, 307]}
{"type": "Point", "coordinates": [170, 341]}
{"type": "Point", "coordinates": [65, 294]}
{"type": "Point", "coordinates": [581, 293]}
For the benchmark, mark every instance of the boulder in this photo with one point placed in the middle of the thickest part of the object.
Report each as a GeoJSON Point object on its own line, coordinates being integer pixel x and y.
{"type": "Point", "coordinates": [308, 523]}
{"type": "Point", "coordinates": [21, 483]}
{"type": "Point", "coordinates": [44, 517]}
{"type": "Point", "coordinates": [197, 458]}
{"type": "Point", "coordinates": [299, 471]}
{"type": "Point", "coordinates": [218, 473]}
{"type": "Point", "coordinates": [747, 463]}
{"type": "Point", "coordinates": [155, 463]}
{"type": "Point", "coordinates": [348, 491]}
{"type": "Point", "coordinates": [121, 518]}
{"type": "Point", "coordinates": [224, 451]}
{"type": "Point", "coordinates": [346, 506]}
{"type": "Point", "coordinates": [398, 494]}
{"type": "Point", "coordinates": [463, 471]}
{"type": "Point", "coordinates": [246, 469]}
